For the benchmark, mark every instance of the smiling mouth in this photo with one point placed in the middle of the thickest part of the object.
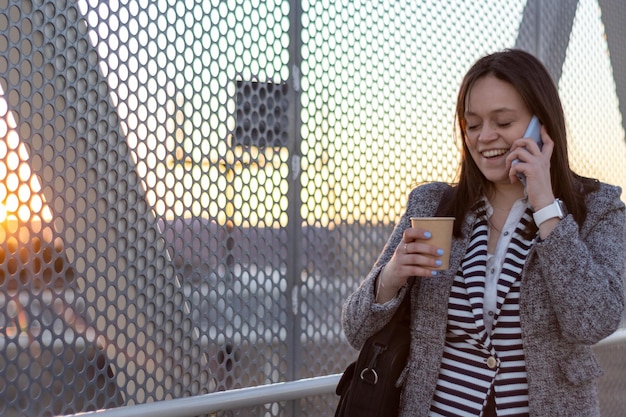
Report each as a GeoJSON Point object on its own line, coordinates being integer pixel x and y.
{"type": "Point", "coordinates": [492, 153]}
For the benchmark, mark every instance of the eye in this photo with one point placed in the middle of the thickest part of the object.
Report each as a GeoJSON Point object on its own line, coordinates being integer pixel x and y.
{"type": "Point", "coordinates": [472, 126]}
{"type": "Point", "coordinates": [505, 124]}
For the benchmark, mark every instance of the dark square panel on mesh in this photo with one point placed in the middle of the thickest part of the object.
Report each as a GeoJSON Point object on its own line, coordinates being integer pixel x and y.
{"type": "Point", "coordinates": [261, 114]}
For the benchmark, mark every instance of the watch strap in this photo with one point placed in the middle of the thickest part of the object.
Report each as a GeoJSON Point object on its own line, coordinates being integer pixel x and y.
{"type": "Point", "coordinates": [548, 212]}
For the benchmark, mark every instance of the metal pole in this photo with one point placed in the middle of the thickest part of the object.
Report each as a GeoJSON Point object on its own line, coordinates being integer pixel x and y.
{"type": "Point", "coordinates": [294, 226]}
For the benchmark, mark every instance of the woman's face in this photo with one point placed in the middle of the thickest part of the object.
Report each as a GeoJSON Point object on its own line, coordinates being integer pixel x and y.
{"type": "Point", "coordinates": [495, 116]}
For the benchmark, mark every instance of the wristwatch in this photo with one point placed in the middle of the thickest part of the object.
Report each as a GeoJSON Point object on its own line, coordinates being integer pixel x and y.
{"type": "Point", "coordinates": [555, 209]}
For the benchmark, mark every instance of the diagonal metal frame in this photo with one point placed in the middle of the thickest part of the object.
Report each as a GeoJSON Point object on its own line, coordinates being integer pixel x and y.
{"type": "Point", "coordinates": [545, 31]}
{"type": "Point", "coordinates": [612, 16]}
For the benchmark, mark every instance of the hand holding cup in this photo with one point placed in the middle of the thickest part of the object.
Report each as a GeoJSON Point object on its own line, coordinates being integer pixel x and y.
{"type": "Point", "coordinates": [424, 249]}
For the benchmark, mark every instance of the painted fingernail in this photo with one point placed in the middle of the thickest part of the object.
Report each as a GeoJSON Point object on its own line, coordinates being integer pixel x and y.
{"type": "Point", "coordinates": [438, 262]}
{"type": "Point", "coordinates": [433, 273]}
{"type": "Point", "coordinates": [439, 252]}
{"type": "Point", "coordinates": [427, 235]}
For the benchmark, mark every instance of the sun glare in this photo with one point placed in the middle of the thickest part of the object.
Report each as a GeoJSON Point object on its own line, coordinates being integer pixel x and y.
{"type": "Point", "coordinates": [21, 199]}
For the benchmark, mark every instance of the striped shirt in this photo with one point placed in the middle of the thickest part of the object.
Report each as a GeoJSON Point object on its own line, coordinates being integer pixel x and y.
{"type": "Point", "coordinates": [475, 360]}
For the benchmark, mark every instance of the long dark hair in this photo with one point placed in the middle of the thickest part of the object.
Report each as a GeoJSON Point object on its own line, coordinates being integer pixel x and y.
{"type": "Point", "coordinates": [533, 82]}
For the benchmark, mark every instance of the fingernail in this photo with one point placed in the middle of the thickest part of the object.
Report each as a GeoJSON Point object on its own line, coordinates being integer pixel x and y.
{"type": "Point", "coordinates": [438, 262]}
{"type": "Point", "coordinates": [427, 235]}
{"type": "Point", "coordinates": [433, 273]}
{"type": "Point", "coordinates": [439, 252]}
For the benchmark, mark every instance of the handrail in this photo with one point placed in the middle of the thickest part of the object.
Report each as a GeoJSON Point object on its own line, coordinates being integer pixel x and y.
{"type": "Point", "coordinates": [618, 336]}
{"type": "Point", "coordinates": [224, 400]}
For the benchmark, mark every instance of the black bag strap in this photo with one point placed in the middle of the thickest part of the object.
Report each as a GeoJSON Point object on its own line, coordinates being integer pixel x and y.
{"type": "Point", "coordinates": [444, 201]}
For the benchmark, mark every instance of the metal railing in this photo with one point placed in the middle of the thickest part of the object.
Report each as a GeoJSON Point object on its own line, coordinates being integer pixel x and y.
{"type": "Point", "coordinates": [225, 400]}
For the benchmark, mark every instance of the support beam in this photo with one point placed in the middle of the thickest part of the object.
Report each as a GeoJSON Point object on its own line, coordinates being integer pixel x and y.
{"type": "Point", "coordinates": [545, 32]}
{"type": "Point", "coordinates": [613, 12]}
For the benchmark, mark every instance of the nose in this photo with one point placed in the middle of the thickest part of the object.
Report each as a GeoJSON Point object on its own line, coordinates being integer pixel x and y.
{"type": "Point", "coordinates": [487, 133]}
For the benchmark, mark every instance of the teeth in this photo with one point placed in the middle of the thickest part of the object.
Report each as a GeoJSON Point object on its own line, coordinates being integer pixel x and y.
{"type": "Point", "coordinates": [494, 152]}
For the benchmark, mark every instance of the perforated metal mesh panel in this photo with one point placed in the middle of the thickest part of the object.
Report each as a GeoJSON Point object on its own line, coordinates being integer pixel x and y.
{"type": "Point", "coordinates": [189, 189]}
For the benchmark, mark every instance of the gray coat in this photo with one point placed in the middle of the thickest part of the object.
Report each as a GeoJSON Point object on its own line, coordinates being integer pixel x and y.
{"type": "Point", "coordinates": [572, 296]}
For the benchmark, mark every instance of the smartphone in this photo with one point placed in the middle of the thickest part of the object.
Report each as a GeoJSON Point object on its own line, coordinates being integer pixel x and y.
{"type": "Point", "coordinates": [532, 131]}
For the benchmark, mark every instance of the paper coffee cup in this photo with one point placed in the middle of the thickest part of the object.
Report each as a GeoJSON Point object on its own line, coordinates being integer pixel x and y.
{"type": "Point", "coordinates": [441, 231]}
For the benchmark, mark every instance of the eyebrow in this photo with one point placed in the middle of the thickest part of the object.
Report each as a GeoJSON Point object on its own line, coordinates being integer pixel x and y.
{"type": "Point", "coordinates": [496, 111]}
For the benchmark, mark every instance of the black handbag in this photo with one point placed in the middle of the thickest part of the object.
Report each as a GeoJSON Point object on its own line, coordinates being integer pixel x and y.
{"type": "Point", "coordinates": [368, 387]}
{"type": "Point", "coordinates": [371, 386]}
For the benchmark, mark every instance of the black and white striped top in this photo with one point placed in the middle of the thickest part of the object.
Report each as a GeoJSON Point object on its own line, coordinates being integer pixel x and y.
{"type": "Point", "coordinates": [475, 362]}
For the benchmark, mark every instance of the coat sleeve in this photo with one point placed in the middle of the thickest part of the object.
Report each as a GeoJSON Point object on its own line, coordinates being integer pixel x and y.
{"type": "Point", "coordinates": [584, 268]}
{"type": "Point", "coordinates": [361, 315]}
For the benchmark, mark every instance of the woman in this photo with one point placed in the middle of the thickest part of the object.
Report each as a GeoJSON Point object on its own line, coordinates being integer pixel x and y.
{"type": "Point", "coordinates": [536, 271]}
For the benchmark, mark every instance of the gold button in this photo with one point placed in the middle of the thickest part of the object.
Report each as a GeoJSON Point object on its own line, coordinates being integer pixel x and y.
{"type": "Point", "coordinates": [491, 362]}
